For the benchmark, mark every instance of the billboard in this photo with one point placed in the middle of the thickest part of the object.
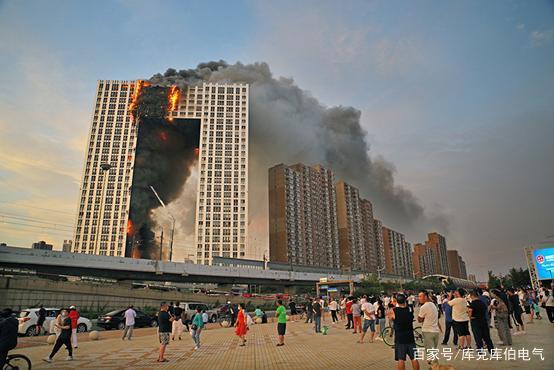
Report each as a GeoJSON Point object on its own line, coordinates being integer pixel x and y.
{"type": "Point", "coordinates": [544, 262]}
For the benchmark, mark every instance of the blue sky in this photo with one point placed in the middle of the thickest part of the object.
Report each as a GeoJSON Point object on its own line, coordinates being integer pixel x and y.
{"type": "Point", "coordinates": [458, 95]}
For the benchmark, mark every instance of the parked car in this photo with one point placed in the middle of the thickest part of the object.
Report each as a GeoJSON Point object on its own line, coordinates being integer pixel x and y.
{"type": "Point", "coordinates": [116, 320]}
{"type": "Point", "coordinates": [190, 309]}
{"type": "Point", "coordinates": [28, 321]}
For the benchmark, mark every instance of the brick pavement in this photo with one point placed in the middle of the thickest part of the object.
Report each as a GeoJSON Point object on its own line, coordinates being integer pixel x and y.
{"type": "Point", "coordinates": [303, 350]}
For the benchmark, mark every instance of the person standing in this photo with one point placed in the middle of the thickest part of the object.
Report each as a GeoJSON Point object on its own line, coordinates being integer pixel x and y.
{"type": "Point", "coordinates": [164, 330]}
{"type": "Point", "coordinates": [501, 318]}
{"type": "Point", "coordinates": [343, 308]}
{"type": "Point", "coordinates": [548, 303]}
{"type": "Point", "coordinates": [205, 318]}
{"type": "Point", "coordinates": [348, 310]}
{"type": "Point", "coordinates": [317, 309]}
{"type": "Point", "coordinates": [8, 334]}
{"type": "Point", "coordinates": [63, 339]}
{"type": "Point", "coordinates": [309, 311]}
{"type": "Point", "coordinates": [241, 327]}
{"type": "Point", "coordinates": [429, 316]}
{"type": "Point", "coordinates": [479, 325]}
{"type": "Point", "coordinates": [177, 324]}
{"type": "Point", "coordinates": [74, 315]}
{"type": "Point", "coordinates": [281, 314]}
{"type": "Point", "coordinates": [460, 318]}
{"type": "Point", "coordinates": [292, 306]}
{"type": "Point", "coordinates": [448, 321]}
{"type": "Point", "coordinates": [516, 311]}
{"type": "Point", "coordinates": [333, 307]}
{"type": "Point", "coordinates": [130, 315]}
{"type": "Point", "coordinates": [41, 318]}
{"type": "Point", "coordinates": [369, 321]}
{"type": "Point", "coordinates": [404, 341]}
{"type": "Point", "coordinates": [357, 316]}
{"type": "Point", "coordinates": [196, 327]}
{"type": "Point", "coordinates": [381, 318]}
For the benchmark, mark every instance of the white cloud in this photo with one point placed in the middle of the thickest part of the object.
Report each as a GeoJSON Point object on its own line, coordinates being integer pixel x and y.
{"type": "Point", "coordinates": [540, 38]}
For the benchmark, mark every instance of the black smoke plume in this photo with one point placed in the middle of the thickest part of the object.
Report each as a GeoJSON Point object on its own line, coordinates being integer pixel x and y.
{"type": "Point", "coordinates": [288, 125]}
{"type": "Point", "coordinates": [165, 152]}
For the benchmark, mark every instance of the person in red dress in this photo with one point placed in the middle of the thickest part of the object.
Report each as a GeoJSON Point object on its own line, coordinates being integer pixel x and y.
{"type": "Point", "coordinates": [241, 327]}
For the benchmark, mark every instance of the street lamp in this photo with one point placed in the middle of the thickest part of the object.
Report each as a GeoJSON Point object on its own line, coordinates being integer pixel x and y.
{"type": "Point", "coordinates": [105, 168]}
{"type": "Point", "coordinates": [172, 226]}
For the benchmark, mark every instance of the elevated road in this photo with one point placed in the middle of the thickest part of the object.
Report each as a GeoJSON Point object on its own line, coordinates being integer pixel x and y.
{"type": "Point", "coordinates": [121, 268]}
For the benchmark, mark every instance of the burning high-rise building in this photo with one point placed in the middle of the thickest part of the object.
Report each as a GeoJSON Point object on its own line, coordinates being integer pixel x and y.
{"type": "Point", "coordinates": [186, 144]}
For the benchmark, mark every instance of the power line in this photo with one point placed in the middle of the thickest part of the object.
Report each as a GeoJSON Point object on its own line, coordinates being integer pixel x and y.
{"type": "Point", "coordinates": [35, 226]}
{"type": "Point", "coordinates": [33, 219]}
{"type": "Point", "coordinates": [35, 207]}
{"type": "Point", "coordinates": [21, 229]}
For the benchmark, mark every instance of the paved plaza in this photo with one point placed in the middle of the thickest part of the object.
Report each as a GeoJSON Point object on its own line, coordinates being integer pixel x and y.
{"type": "Point", "coordinates": [303, 350]}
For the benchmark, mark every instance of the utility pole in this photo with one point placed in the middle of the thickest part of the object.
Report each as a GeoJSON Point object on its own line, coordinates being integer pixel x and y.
{"type": "Point", "coordinates": [161, 244]}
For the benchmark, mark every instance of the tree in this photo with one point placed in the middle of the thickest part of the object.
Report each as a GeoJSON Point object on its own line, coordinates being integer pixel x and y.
{"type": "Point", "coordinates": [494, 281]}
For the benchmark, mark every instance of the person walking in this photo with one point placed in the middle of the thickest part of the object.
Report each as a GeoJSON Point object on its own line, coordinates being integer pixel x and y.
{"type": "Point", "coordinates": [501, 318]}
{"type": "Point", "coordinates": [164, 330]}
{"type": "Point", "coordinates": [357, 316]}
{"type": "Point", "coordinates": [63, 339]}
{"type": "Point", "coordinates": [130, 315]}
{"type": "Point", "coordinates": [460, 318]}
{"type": "Point", "coordinates": [404, 342]}
{"type": "Point", "coordinates": [369, 320]}
{"type": "Point", "coordinates": [41, 318]}
{"type": "Point", "coordinates": [447, 309]}
{"type": "Point", "coordinates": [478, 313]}
{"type": "Point", "coordinates": [55, 324]}
{"type": "Point", "coordinates": [197, 327]}
{"type": "Point", "coordinates": [333, 307]}
{"type": "Point", "coordinates": [281, 314]}
{"type": "Point", "coordinates": [429, 317]}
{"type": "Point", "coordinates": [241, 327]}
{"type": "Point", "coordinates": [74, 315]}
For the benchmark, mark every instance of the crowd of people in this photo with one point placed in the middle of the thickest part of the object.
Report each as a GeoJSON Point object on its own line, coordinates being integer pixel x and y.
{"type": "Point", "coordinates": [469, 316]}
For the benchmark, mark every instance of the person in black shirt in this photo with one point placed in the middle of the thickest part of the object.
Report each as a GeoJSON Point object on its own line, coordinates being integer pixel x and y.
{"type": "Point", "coordinates": [309, 311]}
{"type": "Point", "coordinates": [63, 339]}
{"type": "Point", "coordinates": [404, 341]}
{"type": "Point", "coordinates": [316, 309]}
{"type": "Point", "coordinates": [8, 334]}
{"type": "Point", "coordinates": [479, 325]}
{"type": "Point", "coordinates": [41, 317]}
{"type": "Point", "coordinates": [516, 310]}
{"type": "Point", "coordinates": [164, 329]}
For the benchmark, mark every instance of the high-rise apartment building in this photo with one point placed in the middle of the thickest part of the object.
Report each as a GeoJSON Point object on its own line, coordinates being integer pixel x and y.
{"type": "Point", "coordinates": [463, 269]}
{"type": "Point", "coordinates": [454, 260]}
{"type": "Point", "coordinates": [398, 253]}
{"type": "Point", "coordinates": [212, 120]}
{"type": "Point", "coordinates": [302, 216]}
{"type": "Point", "coordinates": [379, 247]}
{"type": "Point", "coordinates": [355, 224]}
{"type": "Point", "coordinates": [423, 261]}
{"type": "Point", "coordinates": [438, 244]}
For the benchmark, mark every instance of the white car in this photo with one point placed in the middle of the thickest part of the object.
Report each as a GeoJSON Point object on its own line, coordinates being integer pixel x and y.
{"type": "Point", "coordinates": [28, 322]}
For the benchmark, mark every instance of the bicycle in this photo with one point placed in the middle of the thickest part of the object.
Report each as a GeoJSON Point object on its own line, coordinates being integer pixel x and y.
{"type": "Point", "coordinates": [388, 336]}
{"type": "Point", "coordinates": [17, 362]}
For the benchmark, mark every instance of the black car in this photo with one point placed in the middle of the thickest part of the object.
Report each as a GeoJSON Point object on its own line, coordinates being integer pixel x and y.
{"type": "Point", "coordinates": [116, 320]}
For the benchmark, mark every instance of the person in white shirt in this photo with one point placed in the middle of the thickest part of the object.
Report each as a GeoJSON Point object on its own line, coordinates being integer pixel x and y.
{"type": "Point", "coordinates": [369, 320]}
{"type": "Point", "coordinates": [460, 318]}
{"type": "Point", "coordinates": [130, 315]}
{"type": "Point", "coordinates": [333, 307]}
{"type": "Point", "coordinates": [429, 316]}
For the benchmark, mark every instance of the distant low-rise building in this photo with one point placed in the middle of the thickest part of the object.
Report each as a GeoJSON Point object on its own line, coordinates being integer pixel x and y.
{"type": "Point", "coordinates": [66, 246]}
{"type": "Point", "coordinates": [42, 245]}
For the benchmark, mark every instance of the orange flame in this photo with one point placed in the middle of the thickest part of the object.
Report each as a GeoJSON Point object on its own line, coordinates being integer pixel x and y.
{"type": "Point", "coordinates": [196, 151]}
{"type": "Point", "coordinates": [129, 227]}
{"type": "Point", "coordinates": [138, 88]}
{"type": "Point", "coordinates": [173, 100]}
